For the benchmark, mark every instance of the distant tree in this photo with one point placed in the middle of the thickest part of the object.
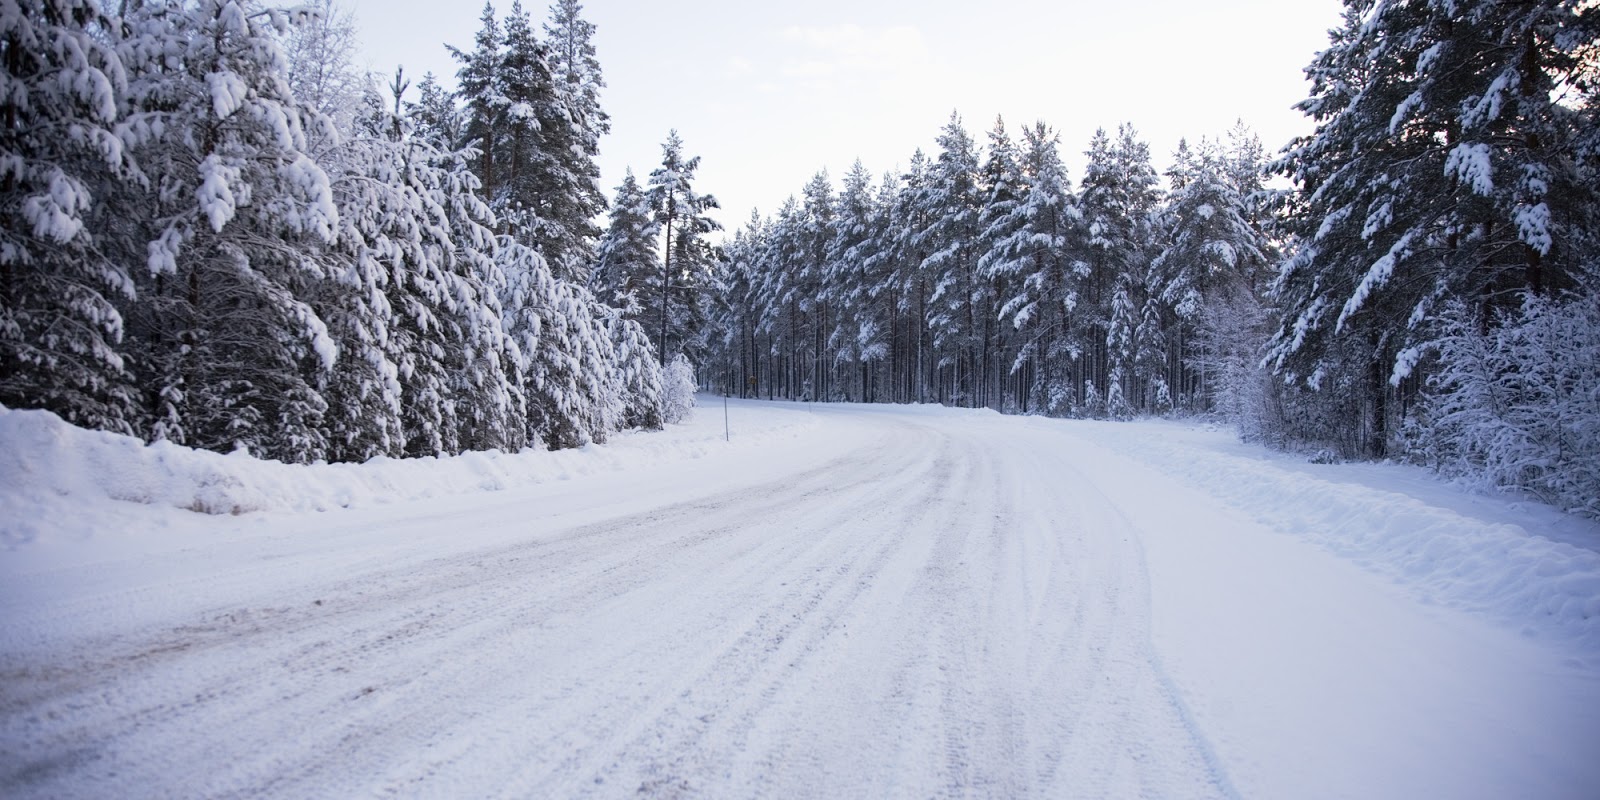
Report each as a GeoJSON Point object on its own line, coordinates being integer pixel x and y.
{"type": "Point", "coordinates": [1120, 196]}
{"type": "Point", "coordinates": [676, 297]}
{"type": "Point", "coordinates": [628, 255]}
{"type": "Point", "coordinates": [1034, 249]}
{"type": "Point", "coordinates": [949, 204]}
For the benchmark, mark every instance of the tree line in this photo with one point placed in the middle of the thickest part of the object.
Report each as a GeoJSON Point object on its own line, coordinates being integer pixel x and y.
{"type": "Point", "coordinates": [1442, 220]}
{"type": "Point", "coordinates": [218, 233]}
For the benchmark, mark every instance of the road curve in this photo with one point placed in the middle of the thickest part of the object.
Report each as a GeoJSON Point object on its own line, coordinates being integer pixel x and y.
{"type": "Point", "coordinates": [929, 614]}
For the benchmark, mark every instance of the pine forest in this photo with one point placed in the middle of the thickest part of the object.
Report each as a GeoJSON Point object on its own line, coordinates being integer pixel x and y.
{"type": "Point", "coordinates": [219, 232]}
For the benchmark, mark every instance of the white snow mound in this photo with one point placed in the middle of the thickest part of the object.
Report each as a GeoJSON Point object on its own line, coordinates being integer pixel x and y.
{"type": "Point", "coordinates": [58, 479]}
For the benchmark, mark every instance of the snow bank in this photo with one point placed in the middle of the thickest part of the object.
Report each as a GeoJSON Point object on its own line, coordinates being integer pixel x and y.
{"type": "Point", "coordinates": [57, 479]}
{"type": "Point", "coordinates": [1445, 551]}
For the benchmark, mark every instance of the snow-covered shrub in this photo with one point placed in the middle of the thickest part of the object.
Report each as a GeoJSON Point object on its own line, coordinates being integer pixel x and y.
{"type": "Point", "coordinates": [1518, 406]}
{"type": "Point", "coordinates": [677, 390]}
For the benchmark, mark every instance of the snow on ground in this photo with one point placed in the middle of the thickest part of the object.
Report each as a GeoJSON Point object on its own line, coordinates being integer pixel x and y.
{"type": "Point", "coordinates": [64, 484]}
{"type": "Point", "coordinates": [1524, 563]}
{"type": "Point", "coordinates": [841, 601]}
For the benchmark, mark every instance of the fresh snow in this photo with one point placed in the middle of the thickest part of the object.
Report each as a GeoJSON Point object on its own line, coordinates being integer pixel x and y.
{"type": "Point", "coordinates": [835, 601]}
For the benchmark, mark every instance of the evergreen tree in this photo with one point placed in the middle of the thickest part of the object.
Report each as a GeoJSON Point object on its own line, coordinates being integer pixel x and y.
{"type": "Point", "coordinates": [478, 84]}
{"type": "Point", "coordinates": [627, 256]}
{"type": "Point", "coordinates": [676, 298]}
{"type": "Point", "coordinates": [855, 334]}
{"type": "Point", "coordinates": [1032, 251]}
{"type": "Point", "coordinates": [1119, 199]}
{"type": "Point", "coordinates": [578, 81]}
{"type": "Point", "coordinates": [1002, 184]}
{"type": "Point", "coordinates": [229, 203]}
{"type": "Point", "coordinates": [810, 284]}
{"type": "Point", "coordinates": [61, 333]}
{"type": "Point", "coordinates": [950, 204]}
{"type": "Point", "coordinates": [1213, 251]}
{"type": "Point", "coordinates": [1445, 165]}
{"type": "Point", "coordinates": [435, 116]}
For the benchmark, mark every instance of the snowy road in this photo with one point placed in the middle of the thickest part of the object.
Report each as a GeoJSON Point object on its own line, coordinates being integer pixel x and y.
{"type": "Point", "coordinates": [912, 603]}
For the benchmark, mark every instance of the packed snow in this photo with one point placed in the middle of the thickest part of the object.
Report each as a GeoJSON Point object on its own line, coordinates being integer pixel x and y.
{"type": "Point", "coordinates": [788, 600]}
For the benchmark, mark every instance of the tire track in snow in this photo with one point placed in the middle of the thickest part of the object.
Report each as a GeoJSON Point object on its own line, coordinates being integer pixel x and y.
{"type": "Point", "coordinates": [924, 616]}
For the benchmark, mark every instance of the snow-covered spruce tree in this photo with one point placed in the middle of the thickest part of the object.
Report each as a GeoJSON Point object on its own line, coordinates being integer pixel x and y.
{"type": "Point", "coordinates": [1032, 248]}
{"type": "Point", "coordinates": [478, 84]}
{"type": "Point", "coordinates": [638, 376]}
{"type": "Point", "coordinates": [412, 220]}
{"type": "Point", "coordinates": [435, 117]}
{"type": "Point", "coordinates": [949, 204]}
{"type": "Point", "coordinates": [1518, 406]}
{"type": "Point", "coordinates": [536, 135]}
{"type": "Point", "coordinates": [362, 391]}
{"type": "Point", "coordinates": [677, 392]}
{"type": "Point", "coordinates": [1002, 185]}
{"type": "Point", "coordinates": [1119, 198]}
{"type": "Point", "coordinates": [855, 336]}
{"type": "Point", "coordinates": [674, 298]}
{"type": "Point", "coordinates": [809, 282]}
{"type": "Point", "coordinates": [737, 362]}
{"type": "Point", "coordinates": [909, 286]}
{"type": "Point", "coordinates": [876, 298]}
{"type": "Point", "coordinates": [571, 377]}
{"type": "Point", "coordinates": [570, 51]}
{"type": "Point", "coordinates": [61, 332]}
{"type": "Point", "coordinates": [787, 322]}
{"type": "Point", "coordinates": [228, 206]}
{"type": "Point", "coordinates": [1445, 165]}
{"type": "Point", "coordinates": [628, 253]}
{"type": "Point", "coordinates": [1212, 251]}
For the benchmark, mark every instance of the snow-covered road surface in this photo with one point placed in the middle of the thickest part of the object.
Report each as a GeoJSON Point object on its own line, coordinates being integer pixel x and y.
{"type": "Point", "coordinates": [899, 603]}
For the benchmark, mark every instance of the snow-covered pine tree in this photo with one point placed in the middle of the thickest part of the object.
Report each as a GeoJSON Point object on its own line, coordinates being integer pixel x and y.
{"type": "Point", "coordinates": [1120, 195]}
{"type": "Point", "coordinates": [675, 296]}
{"type": "Point", "coordinates": [779, 256]}
{"type": "Point", "coordinates": [435, 117]}
{"type": "Point", "coordinates": [230, 205]}
{"type": "Point", "coordinates": [1002, 185]}
{"type": "Point", "coordinates": [950, 205]}
{"type": "Point", "coordinates": [855, 335]}
{"type": "Point", "coordinates": [677, 392]}
{"type": "Point", "coordinates": [61, 333]}
{"type": "Point", "coordinates": [628, 254]}
{"type": "Point", "coordinates": [1445, 165]}
{"type": "Point", "coordinates": [572, 378]}
{"type": "Point", "coordinates": [362, 390]}
{"type": "Point", "coordinates": [1212, 251]}
{"type": "Point", "coordinates": [739, 356]}
{"type": "Point", "coordinates": [1517, 406]}
{"type": "Point", "coordinates": [903, 251]}
{"type": "Point", "coordinates": [478, 84]}
{"type": "Point", "coordinates": [1032, 248]}
{"type": "Point", "coordinates": [569, 40]}
{"type": "Point", "coordinates": [415, 215]}
{"type": "Point", "coordinates": [810, 283]}
{"type": "Point", "coordinates": [638, 376]}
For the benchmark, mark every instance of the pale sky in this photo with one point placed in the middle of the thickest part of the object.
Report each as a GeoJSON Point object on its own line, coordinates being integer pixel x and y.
{"type": "Point", "coordinates": [767, 94]}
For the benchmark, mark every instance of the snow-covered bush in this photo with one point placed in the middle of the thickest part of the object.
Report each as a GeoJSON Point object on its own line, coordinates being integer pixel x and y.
{"type": "Point", "coordinates": [677, 390]}
{"type": "Point", "coordinates": [1518, 406]}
